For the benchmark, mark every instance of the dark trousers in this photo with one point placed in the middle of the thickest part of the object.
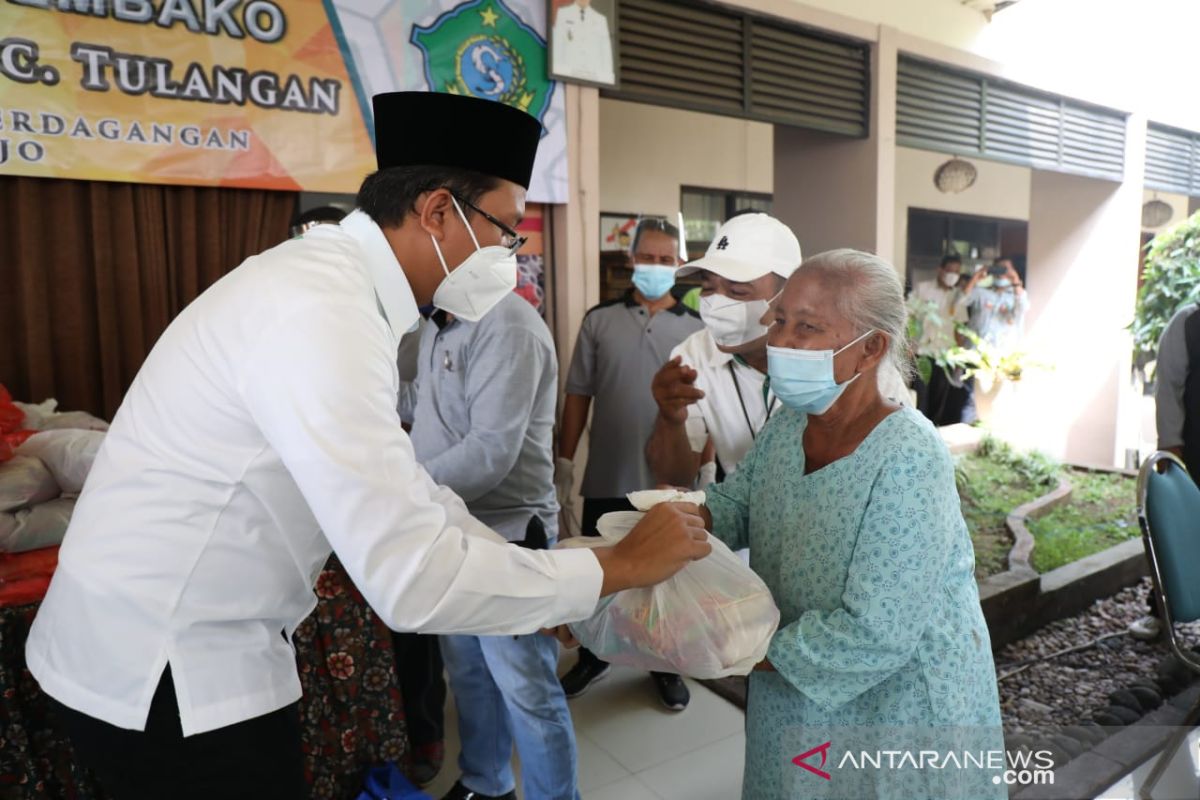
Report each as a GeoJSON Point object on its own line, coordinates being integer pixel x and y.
{"type": "Point", "coordinates": [255, 759]}
{"type": "Point", "coordinates": [419, 667]}
{"type": "Point", "coordinates": [942, 402]}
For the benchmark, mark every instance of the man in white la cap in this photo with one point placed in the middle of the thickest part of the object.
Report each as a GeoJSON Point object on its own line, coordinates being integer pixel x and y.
{"type": "Point", "coordinates": [714, 385]}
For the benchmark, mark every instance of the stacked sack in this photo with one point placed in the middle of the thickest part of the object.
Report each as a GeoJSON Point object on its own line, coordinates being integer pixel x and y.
{"type": "Point", "coordinates": [45, 457]}
{"type": "Point", "coordinates": [712, 619]}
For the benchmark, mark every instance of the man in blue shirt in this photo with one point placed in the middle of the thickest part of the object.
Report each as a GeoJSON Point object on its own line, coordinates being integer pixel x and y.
{"type": "Point", "coordinates": [482, 411]}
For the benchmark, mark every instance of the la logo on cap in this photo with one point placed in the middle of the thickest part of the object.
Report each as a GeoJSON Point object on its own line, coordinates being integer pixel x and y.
{"type": "Point", "coordinates": [723, 244]}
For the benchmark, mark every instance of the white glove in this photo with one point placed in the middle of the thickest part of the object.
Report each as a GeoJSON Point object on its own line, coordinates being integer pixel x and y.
{"type": "Point", "coordinates": [564, 480]}
{"type": "Point", "coordinates": [708, 475]}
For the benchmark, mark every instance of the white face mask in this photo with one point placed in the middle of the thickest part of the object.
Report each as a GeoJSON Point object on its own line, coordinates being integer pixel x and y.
{"type": "Point", "coordinates": [480, 282]}
{"type": "Point", "coordinates": [733, 322]}
{"type": "Point", "coordinates": [950, 279]}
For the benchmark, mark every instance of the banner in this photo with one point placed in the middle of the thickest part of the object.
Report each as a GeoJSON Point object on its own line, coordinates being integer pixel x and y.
{"type": "Point", "coordinates": [214, 92]}
{"type": "Point", "coordinates": [495, 49]}
{"type": "Point", "coordinates": [254, 93]}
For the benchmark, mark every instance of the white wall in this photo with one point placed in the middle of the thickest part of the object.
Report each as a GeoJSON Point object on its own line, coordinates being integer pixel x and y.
{"type": "Point", "coordinates": [1132, 56]}
{"type": "Point", "coordinates": [825, 189]}
{"type": "Point", "coordinates": [946, 21]}
{"type": "Point", "coordinates": [1083, 237]}
{"type": "Point", "coordinates": [1000, 190]}
{"type": "Point", "coordinates": [648, 152]}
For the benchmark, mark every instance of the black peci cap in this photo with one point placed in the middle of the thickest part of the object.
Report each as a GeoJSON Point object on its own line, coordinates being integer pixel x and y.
{"type": "Point", "coordinates": [451, 130]}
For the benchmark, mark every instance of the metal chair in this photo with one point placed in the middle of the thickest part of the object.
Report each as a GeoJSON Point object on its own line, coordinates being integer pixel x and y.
{"type": "Point", "coordinates": [1169, 515]}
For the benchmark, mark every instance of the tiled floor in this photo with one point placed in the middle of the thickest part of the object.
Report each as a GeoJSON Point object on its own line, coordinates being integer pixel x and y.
{"type": "Point", "coordinates": [1180, 779]}
{"type": "Point", "coordinates": [631, 748]}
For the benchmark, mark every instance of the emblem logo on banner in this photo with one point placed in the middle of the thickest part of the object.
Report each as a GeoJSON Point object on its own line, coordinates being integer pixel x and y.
{"type": "Point", "coordinates": [483, 49]}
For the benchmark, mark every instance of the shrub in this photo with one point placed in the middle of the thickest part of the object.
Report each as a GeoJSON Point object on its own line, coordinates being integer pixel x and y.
{"type": "Point", "coordinates": [1171, 281]}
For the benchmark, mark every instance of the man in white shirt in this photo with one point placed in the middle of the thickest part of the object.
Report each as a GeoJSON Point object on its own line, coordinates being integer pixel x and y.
{"type": "Point", "coordinates": [260, 434]}
{"type": "Point", "coordinates": [582, 44]}
{"type": "Point", "coordinates": [715, 384]}
{"type": "Point", "coordinates": [941, 306]}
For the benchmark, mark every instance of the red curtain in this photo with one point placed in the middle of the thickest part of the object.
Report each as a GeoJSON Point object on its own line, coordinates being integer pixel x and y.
{"type": "Point", "coordinates": [91, 273]}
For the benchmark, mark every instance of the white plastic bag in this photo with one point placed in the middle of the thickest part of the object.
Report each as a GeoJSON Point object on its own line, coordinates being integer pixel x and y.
{"type": "Point", "coordinates": [44, 416]}
{"type": "Point", "coordinates": [67, 453]}
{"type": "Point", "coordinates": [712, 619]}
{"type": "Point", "coordinates": [25, 481]}
{"type": "Point", "coordinates": [43, 525]}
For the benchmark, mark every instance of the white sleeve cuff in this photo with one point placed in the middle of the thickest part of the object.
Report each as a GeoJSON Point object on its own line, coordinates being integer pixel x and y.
{"type": "Point", "coordinates": [580, 578]}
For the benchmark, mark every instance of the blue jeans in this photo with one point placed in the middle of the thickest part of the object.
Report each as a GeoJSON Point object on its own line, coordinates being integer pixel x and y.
{"type": "Point", "coordinates": [506, 688]}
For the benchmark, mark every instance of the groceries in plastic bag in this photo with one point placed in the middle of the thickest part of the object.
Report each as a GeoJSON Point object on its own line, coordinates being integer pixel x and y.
{"type": "Point", "coordinates": [68, 454]}
{"type": "Point", "coordinates": [712, 619]}
{"type": "Point", "coordinates": [44, 416]}
{"type": "Point", "coordinates": [647, 499]}
{"type": "Point", "coordinates": [25, 481]}
{"type": "Point", "coordinates": [45, 457]}
{"type": "Point", "coordinates": [33, 528]}
{"type": "Point", "coordinates": [13, 426]}
{"type": "Point", "coordinates": [25, 577]}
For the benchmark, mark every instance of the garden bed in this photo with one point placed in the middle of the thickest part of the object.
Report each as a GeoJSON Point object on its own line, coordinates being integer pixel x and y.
{"type": "Point", "coordinates": [992, 482]}
{"type": "Point", "coordinates": [1100, 514]}
{"type": "Point", "coordinates": [1089, 510]}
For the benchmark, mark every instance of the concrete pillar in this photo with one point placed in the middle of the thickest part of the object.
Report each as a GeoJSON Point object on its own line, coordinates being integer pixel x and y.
{"type": "Point", "coordinates": [884, 68]}
{"type": "Point", "coordinates": [575, 279]}
{"type": "Point", "coordinates": [576, 274]}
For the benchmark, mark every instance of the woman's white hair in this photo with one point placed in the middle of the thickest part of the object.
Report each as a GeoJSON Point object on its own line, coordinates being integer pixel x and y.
{"type": "Point", "coordinates": [869, 296]}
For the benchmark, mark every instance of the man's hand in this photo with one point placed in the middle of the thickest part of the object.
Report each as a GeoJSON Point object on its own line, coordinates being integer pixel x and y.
{"type": "Point", "coordinates": [674, 390]}
{"type": "Point", "coordinates": [979, 275]}
{"type": "Point", "coordinates": [1012, 275]}
{"type": "Point", "coordinates": [764, 666]}
{"type": "Point", "coordinates": [564, 479]}
{"type": "Point", "coordinates": [670, 536]}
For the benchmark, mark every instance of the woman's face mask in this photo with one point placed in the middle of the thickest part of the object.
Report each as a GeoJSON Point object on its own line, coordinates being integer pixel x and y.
{"type": "Point", "coordinates": [480, 282]}
{"type": "Point", "coordinates": [803, 380]}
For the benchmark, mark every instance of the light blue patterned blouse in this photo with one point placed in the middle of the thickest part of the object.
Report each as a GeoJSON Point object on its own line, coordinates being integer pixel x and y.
{"type": "Point", "coordinates": [881, 635]}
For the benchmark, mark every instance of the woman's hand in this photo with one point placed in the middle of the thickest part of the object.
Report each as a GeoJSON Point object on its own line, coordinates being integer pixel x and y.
{"type": "Point", "coordinates": [764, 666]}
{"type": "Point", "coordinates": [563, 634]}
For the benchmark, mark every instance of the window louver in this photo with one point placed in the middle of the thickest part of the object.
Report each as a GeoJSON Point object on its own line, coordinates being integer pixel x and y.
{"type": "Point", "coordinates": [1172, 160]}
{"type": "Point", "coordinates": [708, 59]}
{"type": "Point", "coordinates": [939, 108]}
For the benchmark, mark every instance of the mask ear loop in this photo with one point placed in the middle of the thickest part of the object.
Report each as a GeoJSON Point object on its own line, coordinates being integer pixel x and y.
{"type": "Point", "coordinates": [471, 232]}
{"type": "Point", "coordinates": [851, 344]}
{"type": "Point", "coordinates": [463, 217]}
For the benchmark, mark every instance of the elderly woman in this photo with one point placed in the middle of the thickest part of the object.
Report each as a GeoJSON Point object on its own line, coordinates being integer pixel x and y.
{"type": "Point", "coordinates": [848, 505]}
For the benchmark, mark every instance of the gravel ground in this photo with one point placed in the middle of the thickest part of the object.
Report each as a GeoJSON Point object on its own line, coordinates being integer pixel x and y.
{"type": "Point", "coordinates": [1069, 689]}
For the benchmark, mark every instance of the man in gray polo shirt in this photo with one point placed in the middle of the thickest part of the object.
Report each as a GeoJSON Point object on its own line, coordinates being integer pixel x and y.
{"type": "Point", "coordinates": [620, 347]}
{"type": "Point", "coordinates": [482, 414]}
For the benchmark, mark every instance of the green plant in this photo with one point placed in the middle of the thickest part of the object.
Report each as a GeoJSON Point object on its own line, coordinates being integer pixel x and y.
{"type": "Point", "coordinates": [976, 359]}
{"type": "Point", "coordinates": [922, 314]}
{"type": "Point", "coordinates": [986, 363]}
{"type": "Point", "coordinates": [1171, 280]}
{"type": "Point", "coordinates": [1037, 468]}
